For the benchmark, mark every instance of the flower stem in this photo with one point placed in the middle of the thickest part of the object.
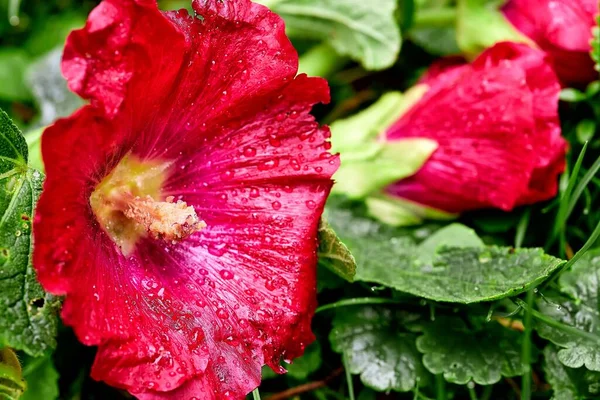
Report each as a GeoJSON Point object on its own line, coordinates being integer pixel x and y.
{"type": "Point", "coordinates": [526, 349]}
{"type": "Point", "coordinates": [435, 17]}
{"type": "Point", "coordinates": [440, 387]}
{"type": "Point", "coordinates": [321, 60]}
{"type": "Point", "coordinates": [355, 302]}
{"type": "Point", "coordinates": [256, 394]}
{"type": "Point", "coordinates": [472, 392]}
{"type": "Point", "coordinates": [348, 379]}
{"type": "Point", "coordinates": [487, 392]}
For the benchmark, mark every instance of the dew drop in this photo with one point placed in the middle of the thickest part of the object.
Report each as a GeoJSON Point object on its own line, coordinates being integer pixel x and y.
{"type": "Point", "coordinates": [249, 151]}
{"type": "Point", "coordinates": [221, 313]}
{"type": "Point", "coordinates": [276, 205]}
{"type": "Point", "coordinates": [226, 274]}
{"type": "Point", "coordinates": [311, 205]}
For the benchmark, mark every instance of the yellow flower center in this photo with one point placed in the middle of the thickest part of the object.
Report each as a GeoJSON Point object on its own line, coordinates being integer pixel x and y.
{"type": "Point", "coordinates": [129, 204]}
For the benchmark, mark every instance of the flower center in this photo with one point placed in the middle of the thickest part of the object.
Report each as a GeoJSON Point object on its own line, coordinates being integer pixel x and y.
{"type": "Point", "coordinates": [129, 204]}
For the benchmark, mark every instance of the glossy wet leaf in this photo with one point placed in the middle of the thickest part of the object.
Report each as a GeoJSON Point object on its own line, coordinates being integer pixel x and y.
{"type": "Point", "coordinates": [569, 383]}
{"type": "Point", "coordinates": [463, 354]}
{"type": "Point", "coordinates": [41, 378]}
{"type": "Point", "coordinates": [364, 32]}
{"type": "Point", "coordinates": [27, 314]}
{"type": "Point", "coordinates": [456, 269]}
{"type": "Point", "coordinates": [334, 254]}
{"type": "Point", "coordinates": [376, 345]}
{"type": "Point", "coordinates": [579, 308]}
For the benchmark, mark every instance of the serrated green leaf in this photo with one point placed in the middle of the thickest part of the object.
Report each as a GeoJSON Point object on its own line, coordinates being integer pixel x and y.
{"type": "Point", "coordinates": [41, 378]}
{"type": "Point", "coordinates": [580, 309]}
{"type": "Point", "coordinates": [12, 384]}
{"type": "Point", "coordinates": [354, 28]}
{"type": "Point", "coordinates": [569, 383]}
{"type": "Point", "coordinates": [461, 273]}
{"type": "Point", "coordinates": [463, 354]}
{"type": "Point", "coordinates": [27, 314]}
{"type": "Point", "coordinates": [376, 346]}
{"type": "Point", "coordinates": [334, 254]}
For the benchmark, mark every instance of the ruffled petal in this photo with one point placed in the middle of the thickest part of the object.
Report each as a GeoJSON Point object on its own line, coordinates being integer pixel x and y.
{"type": "Point", "coordinates": [496, 123]}
{"type": "Point", "coordinates": [201, 316]}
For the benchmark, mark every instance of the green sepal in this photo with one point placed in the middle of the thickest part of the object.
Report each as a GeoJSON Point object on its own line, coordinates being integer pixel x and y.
{"type": "Point", "coordinates": [368, 163]}
{"type": "Point", "coordinates": [399, 212]}
{"type": "Point", "coordinates": [480, 24]}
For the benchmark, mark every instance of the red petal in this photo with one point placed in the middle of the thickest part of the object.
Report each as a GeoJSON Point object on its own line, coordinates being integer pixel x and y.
{"type": "Point", "coordinates": [563, 29]}
{"type": "Point", "coordinates": [496, 122]}
{"type": "Point", "coordinates": [204, 314]}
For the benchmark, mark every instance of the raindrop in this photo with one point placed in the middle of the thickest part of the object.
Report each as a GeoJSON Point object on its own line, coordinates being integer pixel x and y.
{"type": "Point", "coordinates": [226, 274]}
{"type": "Point", "coordinates": [221, 313]}
{"type": "Point", "coordinates": [276, 205]}
{"type": "Point", "coordinates": [311, 205]}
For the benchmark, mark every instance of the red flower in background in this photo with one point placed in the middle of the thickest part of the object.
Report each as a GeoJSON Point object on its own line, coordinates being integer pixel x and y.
{"type": "Point", "coordinates": [497, 129]}
{"type": "Point", "coordinates": [179, 214]}
{"type": "Point", "coordinates": [561, 28]}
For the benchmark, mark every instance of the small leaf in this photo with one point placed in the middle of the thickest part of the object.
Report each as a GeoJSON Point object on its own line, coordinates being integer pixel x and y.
{"type": "Point", "coordinates": [569, 383]}
{"type": "Point", "coordinates": [310, 361]}
{"type": "Point", "coordinates": [459, 272]}
{"type": "Point", "coordinates": [586, 128]}
{"type": "Point", "coordinates": [355, 28]}
{"type": "Point", "coordinates": [27, 314]}
{"type": "Point", "coordinates": [375, 346]}
{"type": "Point", "coordinates": [579, 309]}
{"type": "Point", "coordinates": [463, 354]}
{"type": "Point", "coordinates": [41, 378]}
{"type": "Point", "coordinates": [572, 95]}
{"type": "Point", "coordinates": [12, 384]}
{"type": "Point", "coordinates": [334, 254]}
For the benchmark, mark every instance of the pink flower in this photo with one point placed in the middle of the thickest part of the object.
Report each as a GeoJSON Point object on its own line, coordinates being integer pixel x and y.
{"type": "Point", "coordinates": [497, 131]}
{"type": "Point", "coordinates": [180, 211]}
{"type": "Point", "coordinates": [561, 28]}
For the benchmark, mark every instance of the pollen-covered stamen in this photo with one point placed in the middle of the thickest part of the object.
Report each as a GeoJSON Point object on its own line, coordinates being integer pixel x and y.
{"type": "Point", "coordinates": [167, 220]}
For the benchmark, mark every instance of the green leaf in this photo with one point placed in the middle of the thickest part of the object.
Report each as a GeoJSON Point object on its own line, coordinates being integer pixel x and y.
{"type": "Point", "coordinates": [462, 271]}
{"type": "Point", "coordinates": [12, 384]}
{"type": "Point", "coordinates": [463, 354]}
{"type": "Point", "coordinates": [310, 361]}
{"type": "Point", "coordinates": [377, 347]}
{"type": "Point", "coordinates": [366, 33]}
{"type": "Point", "coordinates": [395, 211]}
{"type": "Point", "coordinates": [27, 314]}
{"type": "Point", "coordinates": [595, 44]}
{"type": "Point", "coordinates": [334, 254]}
{"type": "Point", "coordinates": [45, 80]}
{"type": "Point", "coordinates": [586, 128]}
{"type": "Point", "coordinates": [12, 64]}
{"type": "Point", "coordinates": [569, 383]}
{"type": "Point", "coordinates": [572, 95]}
{"type": "Point", "coordinates": [41, 378]}
{"type": "Point", "coordinates": [580, 309]}
{"type": "Point", "coordinates": [480, 24]}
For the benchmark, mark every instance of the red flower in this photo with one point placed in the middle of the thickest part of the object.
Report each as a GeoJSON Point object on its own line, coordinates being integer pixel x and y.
{"type": "Point", "coordinates": [180, 210]}
{"type": "Point", "coordinates": [497, 129]}
{"type": "Point", "coordinates": [561, 28]}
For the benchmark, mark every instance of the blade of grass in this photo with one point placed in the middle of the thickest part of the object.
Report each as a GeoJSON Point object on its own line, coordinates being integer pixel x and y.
{"type": "Point", "coordinates": [560, 219]}
{"type": "Point", "coordinates": [357, 301]}
{"type": "Point", "coordinates": [583, 183]}
{"type": "Point", "coordinates": [349, 381]}
{"type": "Point", "coordinates": [256, 394]}
{"type": "Point", "coordinates": [522, 228]}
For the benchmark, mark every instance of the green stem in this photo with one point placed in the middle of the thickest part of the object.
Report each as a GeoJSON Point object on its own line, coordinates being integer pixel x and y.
{"type": "Point", "coordinates": [435, 17]}
{"type": "Point", "coordinates": [256, 394]}
{"type": "Point", "coordinates": [349, 381]}
{"type": "Point", "coordinates": [357, 301]}
{"type": "Point", "coordinates": [13, 12]}
{"type": "Point", "coordinates": [322, 60]}
{"type": "Point", "coordinates": [472, 392]}
{"type": "Point", "coordinates": [487, 392]}
{"type": "Point", "coordinates": [440, 387]}
{"type": "Point", "coordinates": [559, 325]}
{"type": "Point", "coordinates": [522, 228]}
{"type": "Point", "coordinates": [526, 349]}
